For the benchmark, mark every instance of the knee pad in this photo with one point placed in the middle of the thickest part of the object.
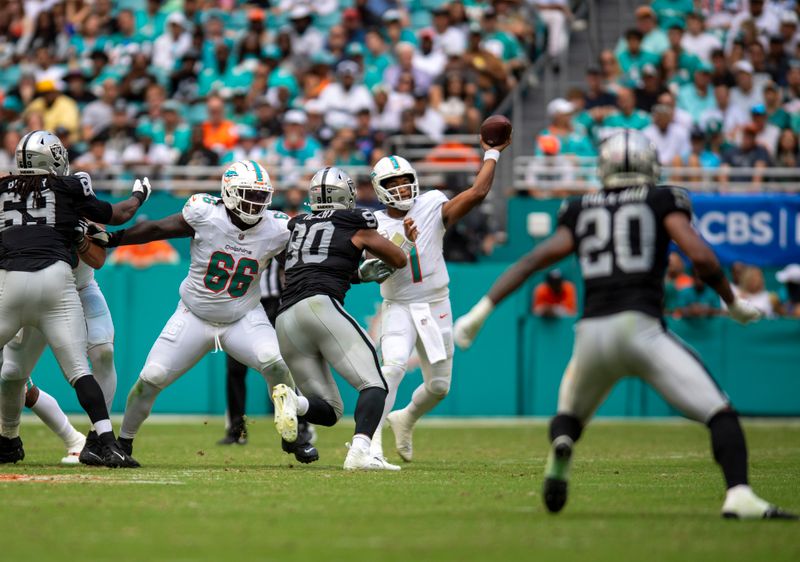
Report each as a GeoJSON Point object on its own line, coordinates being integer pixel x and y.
{"type": "Point", "coordinates": [102, 356]}
{"type": "Point", "coordinates": [155, 375]}
{"type": "Point", "coordinates": [439, 386]}
{"type": "Point", "coordinates": [144, 388]}
{"type": "Point", "coordinates": [277, 372]}
{"type": "Point", "coordinates": [31, 396]}
{"type": "Point", "coordinates": [11, 371]}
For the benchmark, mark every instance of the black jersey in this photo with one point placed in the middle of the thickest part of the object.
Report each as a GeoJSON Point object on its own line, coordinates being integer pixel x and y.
{"type": "Point", "coordinates": [623, 246]}
{"type": "Point", "coordinates": [320, 258]}
{"type": "Point", "coordinates": [37, 232]}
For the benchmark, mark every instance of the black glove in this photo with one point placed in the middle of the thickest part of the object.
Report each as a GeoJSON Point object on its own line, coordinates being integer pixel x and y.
{"type": "Point", "coordinates": [79, 235]}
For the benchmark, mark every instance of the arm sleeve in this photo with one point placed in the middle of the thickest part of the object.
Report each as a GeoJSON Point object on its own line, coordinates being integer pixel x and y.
{"type": "Point", "coordinates": [198, 208]}
{"type": "Point", "coordinates": [87, 204]}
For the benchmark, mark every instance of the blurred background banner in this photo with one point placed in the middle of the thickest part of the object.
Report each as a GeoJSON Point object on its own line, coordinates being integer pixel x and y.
{"type": "Point", "coordinates": [760, 229]}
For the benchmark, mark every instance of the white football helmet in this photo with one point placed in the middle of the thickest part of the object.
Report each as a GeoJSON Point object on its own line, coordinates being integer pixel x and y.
{"type": "Point", "coordinates": [246, 190]}
{"type": "Point", "coordinates": [331, 188]}
{"type": "Point", "coordinates": [42, 153]}
{"type": "Point", "coordinates": [390, 167]}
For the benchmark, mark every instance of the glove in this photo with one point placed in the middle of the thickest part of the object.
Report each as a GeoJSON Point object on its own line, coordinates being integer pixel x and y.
{"type": "Point", "coordinates": [98, 235]}
{"type": "Point", "coordinates": [79, 235]}
{"type": "Point", "coordinates": [374, 270]}
{"type": "Point", "coordinates": [142, 190]}
{"type": "Point", "coordinates": [466, 328]}
{"type": "Point", "coordinates": [743, 311]}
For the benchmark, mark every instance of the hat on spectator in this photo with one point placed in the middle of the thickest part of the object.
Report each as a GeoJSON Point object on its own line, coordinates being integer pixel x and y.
{"type": "Point", "coordinates": [649, 70]}
{"type": "Point", "coordinates": [770, 85]}
{"type": "Point", "coordinates": [713, 125]}
{"type": "Point", "coordinates": [697, 133]}
{"type": "Point", "coordinates": [256, 14]}
{"type": "Point", "coordinates": [452, 49]}
{"type": "Point", "coordinates": [440, 10]}
{"type": "Point", "coordinates": [559, 106]}
{"type": "Point", "coordinates": [789, 17]}
{"type": "Point", "coordinates": [549, 144]}
{"type": "Point", "coordinates": [475, 27]}
{"type": "Point", "coordinates": [44, 86]}
{"type": "Point", "coordinates": [178, 19]}
{"type": "Point", "coordinates": [743, 66]}
{"type": "Point", "coordinates": [315, 106]}
{"type": "Point", "coordinates": [271, 51]}
{"type": "Point", "coordinates": [645, 12]}
{"type": "Point", "coordinates": [425, 32]}
{"type": "Point", "coordinates": [120, 106]}
{"type": "Point", "coordinates": [789, 274]}
{"type": "Point", "coordinates": [299, 12]}
{"type": "Point", "coordinates": [758, 109]}
{"type": "Point", "coordinates": [347, 68]}
{"type": "Point", "coordinates": [354, 50]}
{"type": "Point", "coordinates": [391, 15]}
{"type": "Point", "coordinates": [295, 117]}
{"type": "Point", "coordinates": [351, 14]}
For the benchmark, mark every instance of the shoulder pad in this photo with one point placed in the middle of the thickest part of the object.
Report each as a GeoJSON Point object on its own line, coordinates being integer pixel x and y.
{"type": "Point", "coordinates": [199, 207]}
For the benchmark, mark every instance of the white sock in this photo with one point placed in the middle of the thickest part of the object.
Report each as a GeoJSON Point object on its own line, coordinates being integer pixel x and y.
{"type": "Point", "coordinates": [53, 416]}
{"type": "Point", "coordinates": [302, 405]}
{"type": "Point", "coordinates": [103, 426]}
{"type": "Point", "coordinates": [102, 358]}
{"type": "Point", "coordinates": [422, 402]}
{"type": "Point", "coordinates": [140, 402]}
{"type": "Point", "coordinates": [393, 377]}
{"type": "Point", "coordinates": [12, 400]}
{"type": "Point", "coordinates": [360, 442]}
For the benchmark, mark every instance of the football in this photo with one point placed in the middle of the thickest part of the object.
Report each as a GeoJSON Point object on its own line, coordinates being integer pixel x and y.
{"type": "Point", "coordinates": [496, 130]}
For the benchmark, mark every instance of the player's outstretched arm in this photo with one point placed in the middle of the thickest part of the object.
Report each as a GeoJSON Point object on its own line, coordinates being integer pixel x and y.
{"type": "Point", "coordinates": [464, 202]}
{"type": "Point", "coordinates": [706, 264]}
{"type": "Point", "coordinates": [173, 226]}
{"type": "Point", "coordinates": [89, 252]}
{"type": "Point", "coordinates": [123, 211]}
{"type": "Point", "coordinates": [552, 250]}
{"type": "Point", "coordinates": [369, 239]}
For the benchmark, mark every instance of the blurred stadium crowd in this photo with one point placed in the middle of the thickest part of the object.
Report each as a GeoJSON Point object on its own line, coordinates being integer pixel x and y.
{"type": "Point", "coordinates": [714, 85]}
{"type": "Point", "coordinates": [288, 83]}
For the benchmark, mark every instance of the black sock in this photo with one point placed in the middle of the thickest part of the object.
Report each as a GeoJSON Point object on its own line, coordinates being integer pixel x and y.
{"type": "Point", "coordinates": [91, 398]}
{"type": "Point", "coordinates": [730, 449]}
{"type": "Point", "coordinates": [320, 412]}
{"type": "Point", "coordinates": [564, 424]}
{"type": "Point", "coordinates": [369, 410]}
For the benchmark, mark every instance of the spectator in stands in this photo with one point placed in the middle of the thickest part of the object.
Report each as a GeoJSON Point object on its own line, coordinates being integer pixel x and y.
{"type": "Point", "coordinates": [766, 22]}
{"type": "Point", "coordinates": [444, 32]}
{"type": "Point", "coordinates": [721, 73]}
{"type": "Point", "coordinates": [397, 29]}
{"type": "Point", "coordinates": [405, 65]}
{"type": "Point", "coordinates": [789, 276]}
{"type": "Point", "coordinates": [556, 16]}
{"type": "Point", "coordinates": [675, 281]}
{"type": "Point", "coordinates": [77, 88]}
{"type": "Point", "coordinates": [170, 129]}
{"type": "Point", "coordinates": [673, 76]}
{"type": "Point", "coordinates": [698, 301]}
{"type": "Point", "coordinates": [753, 289]}
{"type": "Point", "coordinates": [789, 32]}
{"type": "Point", "coordinates": [455, 100]}
{"type": "Point", "coordinates": [555, 297]}
{"type": "Point", "coordinates": [57, 109]}
{"type": "Point", "coordinates": [748, 154]}
{"type": "Point", "coordinates": [792, 93]}
{"type": "Point", "coordinates": [746, 93]}
{"type": "Point", "coordinates": [687, 62]}
{"type": "Point", "coordinates": [694, 157]}
{"type": "Point", "coordinates": [426, 58]}
{"type": "Point", "coordinates": [597, 94]}
{"type": "Point", "coordinates": [183, 84]}
{"type": "Point", "coordinates": [649, 90]}
{"type": "Point", "coordinates": [8, 149]}
{"type": "Point", "coordinates": [343, 151]}
{"type": "Point", "coordinates": [219, 133]}
{"type": "Point", "coordinates": [501, 43]}
{"type": "Point", "coordinates": [173, 45]}
{"type": "Point", "coordinates": [654, 38]}
{"type": "Point", "coordinates": [344, 98]}
{"type": "Point", "coordinates": [137, 79]}
{"type": "Point", "coordinates": [777, 62]}
{"type": "Point", "coordinates": [96, 160]}
{"type": "Point", "coordinates": [248, 147]}
{"type": "Point", "coordinates": [295, 147]}
{"type": "Point", "coordinates": [197, 155]}
{"type": "Point", "coordinates": [767, 134]}
{"type": "Point", "coordinates": [570, 141]}
{"type": "Point", "coordinates": [493, 79]}
{"type": "Point", "coordinates": [787, 155]}
{"type": "Point", "coordinates": [612, 72]}
{"type": "Point", "coordinates": [670, 138]}
{"type": "Point", "coordinates": [306, 39]}
{"type": "Point", "coordinates": [776, 114]}
{"type": "Point", "coordinates": [698, 97]}
{"type": "Point", "coordinates": [732, 118]}
{"type": "Point", "coordinates": [672, 12]}
{"type": "Point", "coordinates": [697, 40]}
{"type": "Point", "coordinates": [427, 119]}
{"type": "Point", "coordinates": [633, 57]}
{"type": "Point", "coordinates": [628, 117]}
{"type": "Point", "coordinates": [368, 140]}
{"type": "Point", "coordinates": [144, 152]}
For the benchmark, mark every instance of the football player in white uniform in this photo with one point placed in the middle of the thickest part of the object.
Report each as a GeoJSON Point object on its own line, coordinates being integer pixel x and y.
{"type": "Point", "coordinates": [416, 307]}
{"type": "Point", "coordinates": [233, 239]}
{"type": "Point", "coordinates": [23, 352]}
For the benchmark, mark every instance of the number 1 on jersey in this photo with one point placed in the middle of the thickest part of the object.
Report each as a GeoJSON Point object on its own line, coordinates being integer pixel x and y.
{"type": "Point", "coordinates": [416, 268]}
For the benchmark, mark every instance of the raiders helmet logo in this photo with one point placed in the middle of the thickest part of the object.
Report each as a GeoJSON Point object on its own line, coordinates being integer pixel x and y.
{"type": "Point", "coordinates": [59, 152]}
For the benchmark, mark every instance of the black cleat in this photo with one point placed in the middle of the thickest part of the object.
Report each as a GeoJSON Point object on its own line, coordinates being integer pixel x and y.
{"type": "Point", "coordinates": [555, 494]}
{"type": "Point", "coordinates": [236, 436]}
{"type": "Point", "coordinates": [555, 485]}
{"type": "Point", "coordinates": [92, 453]}
{"type": "Point", "coordinates": [302, 449]}
{"type": "Point", "coordinates": [11, 450]}
{"type": "Point", "coordinates": [114, 456]}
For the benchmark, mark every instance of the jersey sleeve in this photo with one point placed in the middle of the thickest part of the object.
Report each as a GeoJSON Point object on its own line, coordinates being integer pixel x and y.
{"type": "Point", "coordinates": [198, 209]}
{"type": "Point", "coordinates": [568, 214]}
{"type": "Point", "coordinates": [358, 219]}
{"type": "Point", "coordinates": [670, 199]}
{"type": "Point", "coordinates": [87, 204]}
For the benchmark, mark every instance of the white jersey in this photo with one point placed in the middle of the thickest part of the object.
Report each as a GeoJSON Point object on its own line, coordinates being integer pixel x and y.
{"type": "Point", "coordinates": [84, 275]}
{"type": "Point", "coordinates": [425, 278]}
{"type": "Point", "coordinates": [226, 262]}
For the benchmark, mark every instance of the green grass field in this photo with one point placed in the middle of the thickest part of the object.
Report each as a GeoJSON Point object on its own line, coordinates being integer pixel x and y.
{"type": "Point", "coordinates": [641, 491]}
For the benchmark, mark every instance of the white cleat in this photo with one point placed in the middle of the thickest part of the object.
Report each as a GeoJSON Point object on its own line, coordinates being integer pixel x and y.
{"type": "Point", "coordinates": [285, 401]}
{"type": "Point", "coordinates": [742, 503]}
{"type": "Point", "coordinates": [359, 459]}
{"type": "Point", "coordinates": [74, 449]}
{"type": "Point", "coordinates": [403, 429]}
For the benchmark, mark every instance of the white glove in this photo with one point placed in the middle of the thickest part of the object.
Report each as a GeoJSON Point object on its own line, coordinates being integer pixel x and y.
{"type": "Point", "coordinates": [743, 311]}
{"type": "Point", "coordinates": [374, 270]}
{"type": "Point", "coordinates": [466, 327]}
{"type": "Point", "coordinates": [143, 188]}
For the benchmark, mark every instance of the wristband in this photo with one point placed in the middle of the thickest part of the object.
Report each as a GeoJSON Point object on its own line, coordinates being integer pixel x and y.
{"type": "Point", "coordinates": [114, 238]}
{"type": "Point", "coordinates": [491, 154]}
{"type": "Point", "coordinates": [139, 196]}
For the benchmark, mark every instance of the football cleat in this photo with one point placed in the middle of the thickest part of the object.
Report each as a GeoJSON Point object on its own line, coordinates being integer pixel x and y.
{"type": "Point", "coordinates": [556, 474]}
{"type": "Point", "coordinates": [305, 453]}
{"type": "Point", "coordinates": [74, 449]}
{"type": "Point", "coordinates": [11, 450]}
{"type": "Point", "coordinates": [285, 401]}
{"type": "Point", "coordinates": [92, 453]}
{"type": "Point", "coordinates": [356, 459]}
{"type": "Point", "coordinates": [403, 429]}
{"type": "Point", "coordinates": [115, 456]}
{"type": "Point", "coordinates": [236, 436]}
{"type": "Point", "coordinates": [742, 503]}
{"type": "Point", "coordinates": [380, 463]}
